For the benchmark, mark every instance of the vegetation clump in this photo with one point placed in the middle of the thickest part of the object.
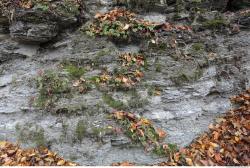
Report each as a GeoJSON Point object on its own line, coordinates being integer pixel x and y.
{"type": "Point", "coordinates": [50, 87]}
{"type": "Point", "coordinates": [119, 23]}
{"type": "Point", "coordinates": [198, 46]}
{"type": "Point", "coordinates": [116, 104]}
{"type": "Point", "coordinates": [140, 130]}
{"type": "Point", "coordinates": [64, 8]}
{"type": "Point", "coordinates": [74, 71]}
{"type": "Point", "coordinates": [80, 130]}
{"type": "Point", "coordinates": [125, 77]}
{"type": "Point", "coordinates": [31, 133]}
{"type": "Point", "coordinates": [217, 23]}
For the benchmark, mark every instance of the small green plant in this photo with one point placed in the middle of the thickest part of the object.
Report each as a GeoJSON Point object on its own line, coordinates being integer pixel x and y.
{"type": "Point", "coordinates": [158, 67]}
{"type": "Point", "coordinates": [43, 7]}
{"type": "Point", "coordinates": [80, 130]}
{"type": "Point", "coordinates": [119, 24]}
{"type": "Point", "coordinates": [74, 71]}
{"type": "Point", "coordinates": [154, 90]}
{"type": "Point", "coordinates": [50, 88]}
{"type": "Point", "coordinates": [116, 104]}
{"type": "Point", "coordinates": [159, 151]}
{"type": "Point", "coordinates": [140, 129]}
{"type": "Point", "coordinates": [215, 23]}
{"type": "Point", "coordinates": [198, 47]}
{"type": "Point", "coordinates": [31, 133]}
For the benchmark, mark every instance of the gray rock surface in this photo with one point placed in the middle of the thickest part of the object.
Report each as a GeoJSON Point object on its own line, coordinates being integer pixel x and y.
{"type": "Point", "coordinates": [195, 89]}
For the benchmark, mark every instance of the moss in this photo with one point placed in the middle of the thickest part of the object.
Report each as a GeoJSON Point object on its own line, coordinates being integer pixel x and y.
{"type": "Point", "coordinates": [74, 71]}
{"type": "Point", "coordinates": [116, 104]}
{"type": "Point", "coordinates": [66, 8]}
{"type": "Point", "coordinates": [158, 67]}
{"type": "Point", "coordinates": [198, 46]}
{"type": "Point", "coordinates": [215, 23]}
{"type": "Point", "coordinates": [80, 130]}
{"type": "Point", "coordinates": [159, 151]}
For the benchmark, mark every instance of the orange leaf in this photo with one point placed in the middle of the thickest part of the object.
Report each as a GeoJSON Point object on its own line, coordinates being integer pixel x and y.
{"type": "Point", "coordinates": [60, 163]}
{"type": "Point", "coordinates": [161, 133]}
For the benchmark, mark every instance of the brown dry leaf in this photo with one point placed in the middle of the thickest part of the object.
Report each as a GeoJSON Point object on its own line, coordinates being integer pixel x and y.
{"type": "Point", "coordinates": [98, 15]}
{"type": "Point", "coordinates": [217, 157]}
{"type": "Point", "coordinates": [126, 27]}
{"type": "Point", "coordinates": [76, 83]}
{"type": "Point", "coordinates": [3, 144]}
{"type": "Point", "coordinates": [189, 162]}
{"type": "Point", "coordinates": [60, 163]}
{"type": "Point", "coordinates": [227, 142]}
{"type": "Point", "coordinates": [119, 115]}
{"type": "Point", "coordinates": [216, 135]}
{"type": "Point", "coordinates": [157, 93]}
{"type": "Point", "coordinates": [161, 133]}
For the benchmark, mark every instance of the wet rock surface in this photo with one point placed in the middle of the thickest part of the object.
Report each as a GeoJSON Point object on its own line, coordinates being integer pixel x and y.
{"type": "Point", "coordinates": [195, 80]}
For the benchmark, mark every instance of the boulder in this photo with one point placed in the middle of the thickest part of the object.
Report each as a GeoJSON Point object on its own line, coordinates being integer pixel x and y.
{"type": "Point", "coordinates": [4, 23]}
{"type": "Point", "coordinates": [33, 26]}
{"type": "Point", "coordinates": [43, 20]}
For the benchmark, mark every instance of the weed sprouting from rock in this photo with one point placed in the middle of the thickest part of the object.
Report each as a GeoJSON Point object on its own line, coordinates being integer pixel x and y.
{"type": "Point", "coordinates": [50, 87]}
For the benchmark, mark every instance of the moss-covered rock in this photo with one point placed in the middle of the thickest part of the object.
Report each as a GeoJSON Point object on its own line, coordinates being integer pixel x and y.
{"type": "Point", "coordinates": [143, 4]}
{"type": "Point", "coordinates": [40, 21]}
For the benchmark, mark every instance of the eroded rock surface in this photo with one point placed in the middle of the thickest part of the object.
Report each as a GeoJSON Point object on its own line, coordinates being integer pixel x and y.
{"type": "Point", "coordinates": [195, 80]}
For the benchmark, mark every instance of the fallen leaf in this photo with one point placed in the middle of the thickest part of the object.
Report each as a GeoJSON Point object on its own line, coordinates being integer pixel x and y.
{"type": "Point", "coordinates": [161, 133]}
{"type": "Point", "coordinates": [126, 27]}
{"type": "Point", "coordinates": [60, 163]}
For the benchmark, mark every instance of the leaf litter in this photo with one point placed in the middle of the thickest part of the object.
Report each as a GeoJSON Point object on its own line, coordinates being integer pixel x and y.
{"type": "Point", "coordinates": [13, 155]}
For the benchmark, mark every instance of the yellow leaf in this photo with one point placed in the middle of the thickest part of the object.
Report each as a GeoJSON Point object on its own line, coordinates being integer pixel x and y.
{"type": "Point", "coordinates": [60, 162]}
{"type": "Point", "coordinates": [126, 27]}
{"type": "Point", "coordinates": [214, 144]}
{"type": "Point", "coordinates": [2, 144]}
{"type": "Point", "coordinates": [98, 15]}
{"type": "Point", "coordinates": [161, 133]}
{"type": "Point", "coordinates": [189, 161]}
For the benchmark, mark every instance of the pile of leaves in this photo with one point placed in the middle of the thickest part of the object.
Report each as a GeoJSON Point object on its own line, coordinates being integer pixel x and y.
{"type": "Point", "coordinates": [140, 130]}
{"type": "Point", "coordinates": [13, 155]}
{"type": "Point", "coordinates": [127, 76]}
{"type": "Point", "coordinates": [122, 79]}
{"type": "Point", "coordinates": [122, 24]}
{"type": "Point", "coordinates": [126, 163]}
{"type": "Point", "coordinates": [129, 59]}
{"type": "Point", "coordinates": [226, 144]}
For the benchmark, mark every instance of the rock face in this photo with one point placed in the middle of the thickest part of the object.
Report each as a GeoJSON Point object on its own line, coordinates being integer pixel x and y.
{"type": "Point", "coordinates": [41, 21]}
{"type": "Point", "coordinates": [4, 24]}
{"type": "Point", "coordinates": [33, 26]}
{"type": "Point", "coordinates": [186, 85]}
